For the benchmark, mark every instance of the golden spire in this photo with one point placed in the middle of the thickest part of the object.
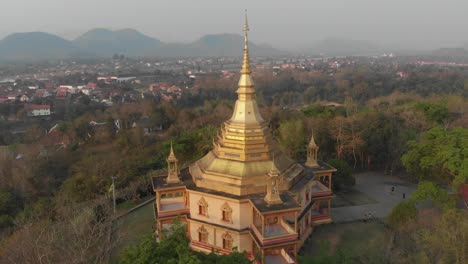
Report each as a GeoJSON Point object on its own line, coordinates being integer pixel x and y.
{"type": "Point", "coordinates": [171, 156]}
{"type": "Point", "coordinates": [312, 140]}
{"type": "Point", "coordinates": [245, 82]}
{"type": "Point", "coordinates": [274, 172]}
{"type": "Point", "coordinates": [245, 65]}
{"type": "Point", "coordinates": [246, 110]}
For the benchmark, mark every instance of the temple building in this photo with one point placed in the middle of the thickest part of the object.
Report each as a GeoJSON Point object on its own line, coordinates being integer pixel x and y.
{"type": "Point", "coordinates": [245, 194]}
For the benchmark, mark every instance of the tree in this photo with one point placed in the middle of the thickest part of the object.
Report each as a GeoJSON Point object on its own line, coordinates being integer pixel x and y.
{"type": "Point", "coordinates": [143, 253]}
{"type": "Point", "coordinates": [429, 190]}
{"type": "Point", "coordinates": [402, 213]}
{"type": "Point", "coordinates": [174, 249]}
{"type": "Point", "coordinates": [33, 134]}
{"type": "Point", "coordinates": [7, 208]}
{"type": "Point", "coordinates": [347, 134]}
{"type": "Point", "coordinates": [406, 211]}
{"type": "Point", "coordinates": [324, 257]}
{"type": "Point", "coordinates": [441, 155]}
{"type": "Point", "coordinates": [343, 177]}
{"type": "Point", "coordinates": [75, 234]}
{"type": "Point", "coordinates": [291, 137]}
{"type": "Point", "coordinates": [436, 112]}
{"type": "Point", "coordinates": [444, 240]}
{"type": "Point", "coordinates": [234, 257]}
{"type": "Point", "coordinates": [447, 241]}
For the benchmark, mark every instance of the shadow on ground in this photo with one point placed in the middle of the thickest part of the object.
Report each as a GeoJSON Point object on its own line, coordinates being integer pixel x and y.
{"type": "Point", "coordinates": [359, 240]}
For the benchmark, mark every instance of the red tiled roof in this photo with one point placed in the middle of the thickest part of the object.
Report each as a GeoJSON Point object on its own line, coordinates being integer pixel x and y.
{"type": "Point", "coordinates": [37, 107]}
{"type": "Point", "coordinates": [61, 94]}
{"type": "Point", "coordinates": [92, 85]}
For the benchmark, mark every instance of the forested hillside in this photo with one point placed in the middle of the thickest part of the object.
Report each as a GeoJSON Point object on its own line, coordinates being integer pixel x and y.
{"type": "Point", "coordinates": [366, 115]}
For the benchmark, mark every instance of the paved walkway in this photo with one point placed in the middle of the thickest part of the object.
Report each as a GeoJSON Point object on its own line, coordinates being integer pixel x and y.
{"type": "Point", "coordinates": [379, 187]}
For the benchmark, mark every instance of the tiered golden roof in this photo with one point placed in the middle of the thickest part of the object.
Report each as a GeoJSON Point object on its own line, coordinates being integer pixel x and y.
{"type": "Point", "coordinates": [241, 158]}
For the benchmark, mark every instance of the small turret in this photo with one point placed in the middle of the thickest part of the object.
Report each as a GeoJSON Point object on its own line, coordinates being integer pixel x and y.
{"type": "Point", "coordinates": [172, 168]}
{"type": "Point", "coordinates": [312, 152]}
{"type": "Point", "coordinates": [273, 195]}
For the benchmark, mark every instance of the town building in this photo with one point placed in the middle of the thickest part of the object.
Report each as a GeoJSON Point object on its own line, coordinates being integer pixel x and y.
{"type": "Point", "coordinates": [61, 93]}
{"type": "Point", "coordinates": [245, 194]}
{"type": "Point", "coordinates": [37, 110]}
{"type": "Point", "coordinates": [24, 98]}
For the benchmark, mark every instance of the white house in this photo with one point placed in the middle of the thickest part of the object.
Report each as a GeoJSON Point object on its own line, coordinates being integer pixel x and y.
{"type": "Point", "coordinates": [24, 98]}
{"type": "Point", "coordinates": [38, 110]}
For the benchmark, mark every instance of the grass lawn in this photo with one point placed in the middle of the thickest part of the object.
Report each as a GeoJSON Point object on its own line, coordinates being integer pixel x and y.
{"type": "Point", "coordinates": [125, 206]}
{"type": "Point", "coordinates": [359, 239]}
{"type": "Point", "coordinates": [351, 197]}
{"type": "Point", "coordinates": [130, 228]}
{"type": "Point", "coordinates": [129, 204]}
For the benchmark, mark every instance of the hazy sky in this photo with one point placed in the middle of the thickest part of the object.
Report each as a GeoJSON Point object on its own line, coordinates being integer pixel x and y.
{"type": "Point", "coordinates": [284, 24]}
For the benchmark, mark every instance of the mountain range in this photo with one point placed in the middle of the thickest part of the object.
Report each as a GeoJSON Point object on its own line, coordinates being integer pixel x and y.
{"type": "Point", "coordinates": [99, 42]}
{"type": "Point", "coordinates": [34, 46]}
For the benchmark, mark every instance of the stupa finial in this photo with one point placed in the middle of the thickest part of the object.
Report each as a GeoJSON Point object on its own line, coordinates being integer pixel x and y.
{"type": "Point", "coordinates": [245, 64]}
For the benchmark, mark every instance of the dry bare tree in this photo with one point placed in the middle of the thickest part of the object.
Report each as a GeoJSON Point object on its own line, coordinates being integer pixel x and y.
{"type": "Point", "coordinates": [77, 233]}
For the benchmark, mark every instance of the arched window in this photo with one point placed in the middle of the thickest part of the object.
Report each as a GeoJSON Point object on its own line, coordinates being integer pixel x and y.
{"type": "Point", "coordinates": [307, 195]}
{"type": "Point", "coordinates": [226, 211]}
{"type": "Point", "coordinates": [202, 235]}
{"type": "Point", "coordinates": [227, 241]}
{"type": "Point", "coordinates": [202, 207]}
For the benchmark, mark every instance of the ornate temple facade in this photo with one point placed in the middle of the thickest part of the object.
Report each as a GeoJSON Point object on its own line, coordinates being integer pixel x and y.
{"type": "Point", "coordinates": [246, 194]}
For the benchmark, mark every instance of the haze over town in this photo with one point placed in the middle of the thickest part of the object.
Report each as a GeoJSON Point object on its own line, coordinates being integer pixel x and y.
{"type": "Point", "coordinates": [291, 25]}
{"type": "Point", "coordinates": [300, 132]}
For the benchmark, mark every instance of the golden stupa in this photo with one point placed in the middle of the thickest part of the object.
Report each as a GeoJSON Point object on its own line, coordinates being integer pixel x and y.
{"type": "Point", "coordinates": [243, 150]}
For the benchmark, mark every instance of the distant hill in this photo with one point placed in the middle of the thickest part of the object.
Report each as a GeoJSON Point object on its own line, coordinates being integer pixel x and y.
{"type": "Point", "coordinates": [130, 42]}
{"type": "Point", "coordinates": [215, 45]}
{"type": "Point", "coordinates": [344, 47]}
{"type": "Point", "coordinates": [36, 46]}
